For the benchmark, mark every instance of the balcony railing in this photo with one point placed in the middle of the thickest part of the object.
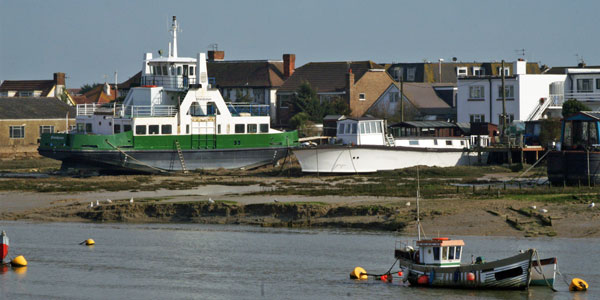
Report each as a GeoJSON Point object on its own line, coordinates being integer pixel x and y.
{"type": "Point", "coordinates": [583, 96]}
{"type": "Point", "coordinates": [169, 82]}
{"type": "Point", "coordinates": [128, 111]}
{"type": "Point", "coordinates": [238, 109]}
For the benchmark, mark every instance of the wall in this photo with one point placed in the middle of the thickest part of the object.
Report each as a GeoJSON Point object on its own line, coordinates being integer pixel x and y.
{"type": "Point", "coordinates": [28, 144]}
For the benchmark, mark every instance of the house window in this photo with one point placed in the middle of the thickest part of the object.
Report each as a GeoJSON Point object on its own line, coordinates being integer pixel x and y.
{"type": "Point", "coordinates": [410, 73]}
{"type": "Point", "coordinates": [394, 96]}
{"type": "Point", "coordinates": [46, 129]}
{"type": "Point", "coordinates": [239, 128]}
{"type": "Point", "coordinates": [348, 128]}
{"type": "Point", "coordinates": [341, 128]}
{"type": "Point", "coordinates": [476, 92]}
{"type": "Point", "coordinates": [361, 97]}
{"type": "Point", "coordinates": [461, 71]}
{"type": "Point", "coordinates": [3, 94]}
{"type": "Point", "coordinates": [506, 71]}
{"type": "Point", "coordinates": [509, 118]}
{"type": "Point", "coordinates": [252, 128]}
{"type": "Point", "coordinates": [477, 118]}
{"type": "Point", "coordinates": [166, 129]}
{"type": "Point", "coordinates": [397, 73]}
{"type": "Point", "coordinates": [354, 128]}
{"type": "Point", "coordinates": [584, 85]}
{"type": "Point", "coordinates": [509, 91]}
{"type": "Point", "coordinates": [478, 71]}
{"type": "Point", "coordinates": [362, 128]}
{"type": "Point", "coordinates": [17, 132]}
{"type": "Point", "coordinates": [25, 93]}
{"type": "Point", "coordinates": [264, 128]}
{"type": "Point", "coordinates": [140, 129]}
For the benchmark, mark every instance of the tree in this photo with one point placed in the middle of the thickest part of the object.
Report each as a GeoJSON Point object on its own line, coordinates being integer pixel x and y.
{"type": "Point", "coordinates": [549, 131]}
{"type": "Point", "coordinates": [87, 87]}
{"type": "Point", "coordinates": [306, 101]}
{"type": "Point", "coordinates": [572, 106]}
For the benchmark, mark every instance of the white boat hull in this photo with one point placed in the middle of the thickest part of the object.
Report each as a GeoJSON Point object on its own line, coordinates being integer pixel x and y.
{"type": "Point", "coordinates": [547, 272]}
{"type": "Point", "coordinates": [368, 159]}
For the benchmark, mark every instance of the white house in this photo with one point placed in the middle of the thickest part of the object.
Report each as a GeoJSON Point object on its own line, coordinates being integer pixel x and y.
{"type": "Point", "coordinates": [582, 84]}
{"type": "Point", "coordinates": [479, 98]}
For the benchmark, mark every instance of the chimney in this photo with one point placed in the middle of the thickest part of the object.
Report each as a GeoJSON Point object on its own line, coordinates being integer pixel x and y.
{"type": "Point", "coordinates": [289, 65]}
{"type": "Point", "coordinates": [216, 55]}
{"type": "Point", "coordinates": [59, 78]}
{"type": "Point", "coordinates": [520, 67]}
{"type": "Point", "coordinates": [107, 89]}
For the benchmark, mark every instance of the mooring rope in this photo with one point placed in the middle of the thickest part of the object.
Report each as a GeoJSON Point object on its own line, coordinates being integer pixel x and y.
{"type": "Point", "coordinates": [541, 270]}
{"type": "Point", "coordinates": [389, 271]}
{"type": "Point", "coordinates": [127, 155]}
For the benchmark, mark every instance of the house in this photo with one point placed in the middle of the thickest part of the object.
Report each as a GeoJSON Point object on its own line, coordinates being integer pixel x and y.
{"type": "Point", "coordinates": [24, 119]}
{"type": "Point", "coordinates": [358, 83]}
{"type": "Point", "coordinates": [36, 88]}
{"type": "Point", "coordinates": [251, 81]}
{"type": "Point", "coordinates": [442, 71]}
{"type": "Point", "coordinates": [479, 98]}
{"type": "Point", "coordinates": [422, 101]}
{"type": "Point", "coordinates": [100, 94]}
{"type": "Point", "coordinates": [582, 83]}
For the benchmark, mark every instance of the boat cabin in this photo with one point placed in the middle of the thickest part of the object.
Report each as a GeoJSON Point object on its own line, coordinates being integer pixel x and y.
{"type": "Point", "coordinates": [580, 131]}
{"type": "Point", "coordinates": [442, 252]}
{"type": "Point", "coordinates": [361, 131]}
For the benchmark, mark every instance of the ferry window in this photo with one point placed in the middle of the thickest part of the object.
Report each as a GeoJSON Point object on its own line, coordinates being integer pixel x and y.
{"type": "Point", "coordinates": [140, 129]}
{"type": "Point", "coordinates": [264, 127]}
{"type": "Point", "coordinates": [219, 128]}
{"type": "Point", "coordinates": [187, 129]}
{"type": "Point", "coordinates": [46, 129]}
{"type": "Point", "coordinates": [436, 253]}
{"type": "Point", "coordinates": [191, 70]}
{"type": "Point", "coordinates": [172, 70]}
{"type": "Point", "coordinates": [80, 127]}
{"type": "Point", "coordinates": [117, 128]}
{"type": "Point", "coordinates": [88, 127]}
{"type": "Point", "coordinates": [448, 143]}
{"type": "Point", "coordinates": [196, 110]}
{"type": "Point", "coordinates": [165, 72]}
{"type": "Point", "coordinates": [126, 128]}
{"type": "Point", "coordinates": [362, 127]}
{"type": "Point", "coordinates": [179, 70]}
{"type": "Point", "coordinates": [17, 132]}
{"type": "Point", "coordinates": [341, 128]}
{"type": "Point", "coordinates": [165, 129]}
{"type": "Point", "coordinates": [462, 143]}
{"type": "Point", "coordinates": [354, 128]}
{"type": "Point", "coordinates": [435, 142]}
{"type": "Point", "coordinates": [251, 128]}
{"type": "Point", "coordinates": [451, 253]}
{"type": "Point", "coordinates": [158, 70]}
{"type": "Point", "coordinates": [239, 128]}
{"type": "Point", "coordinates": [413, 143]}
{"type": "Point", "coordinates": [444, 253]}
{"type": "Point", "coordinates": [153, 129]}
{"type": "Point", "coordinates": [379, 130]}
{"type": "Point", "coordinates": [458, 248]}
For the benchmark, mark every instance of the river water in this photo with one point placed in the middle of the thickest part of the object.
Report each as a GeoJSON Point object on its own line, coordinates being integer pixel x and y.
{"type": "Point", "coordinates": [192, 261]}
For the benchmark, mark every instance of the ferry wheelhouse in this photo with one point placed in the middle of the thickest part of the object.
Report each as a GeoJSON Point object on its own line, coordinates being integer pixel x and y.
{"type": "Point", "coordinates": [176, 121]}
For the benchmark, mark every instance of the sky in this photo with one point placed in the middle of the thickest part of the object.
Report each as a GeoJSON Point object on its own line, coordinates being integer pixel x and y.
{"type": "Point", "coordinates": [90, 40]}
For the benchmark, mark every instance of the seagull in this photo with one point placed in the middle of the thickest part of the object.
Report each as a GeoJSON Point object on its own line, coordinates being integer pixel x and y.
{"type": "Point", "coordinates": [131, 200]}
{"type": "Point", "coordinates": [97, 203]}
{"type": "Point", "coordinates": [210, 200]}
{"type": "Point", "coordinates": [543, 210]}
{"type": "Point", "coordinates": [275, 200]}
{"type": "Point", "coordinates": [91, 205]}
{"type": "Point", "coordinates": [592, 205]}
{"type": "Point", "coordinates": [533, 207]}
{"type": "Point", "coordinates": [408, 203]}
{"type": "Point", "coordinates": [108, 200]}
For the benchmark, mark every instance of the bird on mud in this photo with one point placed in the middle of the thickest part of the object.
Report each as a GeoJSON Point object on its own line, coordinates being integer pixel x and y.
{"type": "Point", "coordinates": [533, 207]}
{"type": "Point", "coordinates": [108, 200]}
{"type": "Point", "coordinates": [97, 203]}
{"type": "Point", "coordinates": [543, 210]}
{"type": "Point", "coordinates": [408, 203]}
{"type": "Point", "coordinates": [210, 200]}
{"type": "Point", "coordinates": [131, 200]}
{"type": "Point", "coordinates": [592, 205]}
{"type": "Point", "coordinates": [275, 200]}
{"type": "Point", "coordinates": [91, 205]}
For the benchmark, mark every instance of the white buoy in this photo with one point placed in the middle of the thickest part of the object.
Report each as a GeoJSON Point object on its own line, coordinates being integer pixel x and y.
{"type": "Point", "coordinates": [210, 200]}
{"type": "Point", "coordinates": [131, 200]}
{"type": "Point", "coordinates": [592, 205]}
{"type": "Point", "coordinates": [108, 200]}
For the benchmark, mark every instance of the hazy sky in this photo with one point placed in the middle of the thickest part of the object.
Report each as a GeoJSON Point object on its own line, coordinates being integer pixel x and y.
{"type": "Point", "coordinates": [90, 39]}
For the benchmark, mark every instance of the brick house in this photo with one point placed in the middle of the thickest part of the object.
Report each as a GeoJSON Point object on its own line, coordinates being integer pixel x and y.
{"type": "Point", "coordinates": [23, 120]}
{"type": "Point", "coordinates": [359, 83]}
{"type": "Point", "coordinates": [36, 88]}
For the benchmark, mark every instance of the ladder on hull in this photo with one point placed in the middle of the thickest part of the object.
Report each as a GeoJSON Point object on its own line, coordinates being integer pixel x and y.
{"type": "Point", "coordinates": [180, 153]}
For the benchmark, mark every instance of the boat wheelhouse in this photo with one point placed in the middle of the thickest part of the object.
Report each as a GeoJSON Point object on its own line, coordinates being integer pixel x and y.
{"type": "Point", "coordinates": [176, 122]}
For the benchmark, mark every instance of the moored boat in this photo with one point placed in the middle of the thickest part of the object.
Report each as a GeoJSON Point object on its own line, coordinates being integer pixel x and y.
{"type": "Point", "coordinates": [176, 121]}
{"type": "Point", "coordinates": [543, 272]}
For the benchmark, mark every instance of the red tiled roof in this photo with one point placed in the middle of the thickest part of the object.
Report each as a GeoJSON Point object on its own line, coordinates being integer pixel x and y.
{"type": "Point", "coordinates": [327, 76]}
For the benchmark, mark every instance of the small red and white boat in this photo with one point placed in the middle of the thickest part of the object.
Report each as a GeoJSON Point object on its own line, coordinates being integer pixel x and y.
{"type": "Point", "coordinates": [3, 246]}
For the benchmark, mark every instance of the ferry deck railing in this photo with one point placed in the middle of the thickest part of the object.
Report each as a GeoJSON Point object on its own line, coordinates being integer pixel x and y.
{"type": "Point", "coordinates": [127, 111]}
{"type": "Point", "coordinates": [238, 109]}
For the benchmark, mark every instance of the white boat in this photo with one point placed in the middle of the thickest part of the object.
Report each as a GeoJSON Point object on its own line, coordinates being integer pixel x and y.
{"type": "Point", "coordinates": [361, 146]}
{"type": "Point", "coordinates": [543, 271]}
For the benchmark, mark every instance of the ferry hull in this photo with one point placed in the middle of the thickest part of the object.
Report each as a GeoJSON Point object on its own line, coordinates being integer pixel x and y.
{"type": "Point", "coordinates": [368, 159]}
{"type": "Point", "coordinates": [508, 273]}
{"type": "Point", "coordinates": [154, 161]}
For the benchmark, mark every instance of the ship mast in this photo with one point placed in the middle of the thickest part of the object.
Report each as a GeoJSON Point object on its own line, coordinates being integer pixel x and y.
{"type": "Point", "coordinates": [418, 219]}
{"type": "Point", "coordinates": [174, 27]}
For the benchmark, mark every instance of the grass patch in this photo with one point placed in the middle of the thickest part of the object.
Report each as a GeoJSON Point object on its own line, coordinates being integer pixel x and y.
{"type": "Point", "coordinates": [319, 203]}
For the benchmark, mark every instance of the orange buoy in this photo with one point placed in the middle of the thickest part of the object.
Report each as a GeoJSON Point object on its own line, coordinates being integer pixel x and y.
{"type": "Point", "coordinates": [423, 279]}
{"type": "Point", "coordinates": [400, 273]}
{"type": "Point", "coordinates": [470, 276]}
{"type": "Point", "coordinates": [578, 284]}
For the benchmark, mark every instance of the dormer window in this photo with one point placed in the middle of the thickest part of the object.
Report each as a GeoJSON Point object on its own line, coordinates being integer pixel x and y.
{"type": "Point", "coordinates": [478, 71]}
{"type": "Point", "coordinates": [506, 71]}
{"type": "Point", "coordinates": [461, 71]}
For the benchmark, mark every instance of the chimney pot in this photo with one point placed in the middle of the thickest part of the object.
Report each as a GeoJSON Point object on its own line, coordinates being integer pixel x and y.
{"type": "Point", "coordinates": [216, 55]}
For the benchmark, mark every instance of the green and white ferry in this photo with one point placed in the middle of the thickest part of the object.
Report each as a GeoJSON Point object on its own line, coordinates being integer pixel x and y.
{"type": "Point", "coordinates": [174, 122]}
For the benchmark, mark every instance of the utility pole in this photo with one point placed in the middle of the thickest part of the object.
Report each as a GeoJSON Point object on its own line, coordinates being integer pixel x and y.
{"type": "Point", "coordinates": [504, 137]}
{"type": "Point", "coordinates": [402, 96]}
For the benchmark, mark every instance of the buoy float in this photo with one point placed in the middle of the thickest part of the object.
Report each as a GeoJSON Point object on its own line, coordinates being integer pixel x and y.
{"type": "Point", "coordinates": [3, 246]}
{"type": "Point", "coordinates": [578, 284]}
{"type": "Point", "coordinates": [470, 277]}
{"type": "Point", "coordinates": [400, 273]}
{"type": "Point", "coordinates": [19, 261]}
{"type": "Point", "coordinates": [384, 277]}
{"type": "Point", "coordinates": [359, 274]}
{"type": "Point", "coordinates": [89, 242]}
{"type": "Point", "coordinates": [423, 279]}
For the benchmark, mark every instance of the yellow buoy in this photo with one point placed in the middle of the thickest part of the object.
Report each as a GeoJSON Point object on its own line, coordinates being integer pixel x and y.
{"type": "Point", "coordinates": [19, 261]}
{"type": "Point", "coordinates": [359, 273]}
{"type": "Point", "coordinates": [89, 242]}
{"type": "Point", "coordinates": [578, 284]}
